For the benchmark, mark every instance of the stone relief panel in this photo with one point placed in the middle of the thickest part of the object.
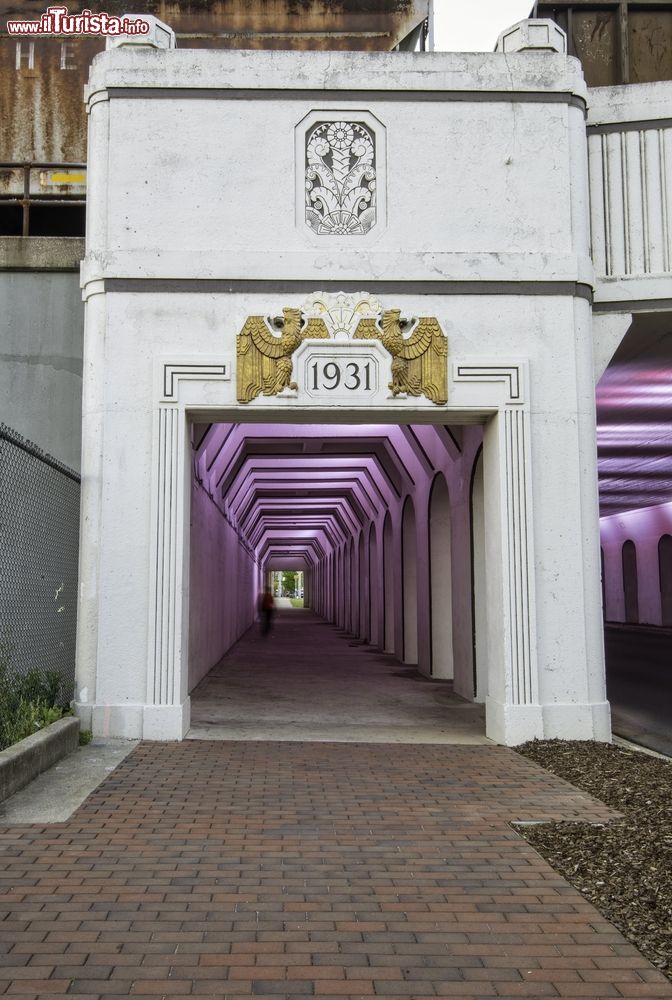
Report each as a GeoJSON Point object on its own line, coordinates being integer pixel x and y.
{"type": "Point", "coordinates": [340, 175]}
{"type": "Point", "coordinates": [340, 178]}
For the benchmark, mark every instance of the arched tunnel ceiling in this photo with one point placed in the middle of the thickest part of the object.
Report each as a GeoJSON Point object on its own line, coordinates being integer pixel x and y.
{"type": "Point", "coordinates": [296, 492]}
{"type": "Point", "coordinates": [634, 419]}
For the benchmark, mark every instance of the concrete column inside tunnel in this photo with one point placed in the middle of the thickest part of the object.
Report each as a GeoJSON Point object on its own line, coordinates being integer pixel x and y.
{"type": "Point", "coordinates": [375, 580]}
{"type": "Point", "coordinates": [354, 587]}
{"type": "Point", "coordinates": [347, 586]}
{"type": "Point", "coordinates": [410, 583]}
{"type": "Point", "coordinates": [441, 581]}
{"type": "Point", "coordinates": [364, 584]}
{"type": "Point", "coordinates": [341, 587]}
{"type": "Point", "coordinates": [388, 586]}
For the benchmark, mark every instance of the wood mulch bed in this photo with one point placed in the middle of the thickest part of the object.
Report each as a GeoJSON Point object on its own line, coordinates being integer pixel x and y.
{"type": "Point", "coordinates": [625, 867]}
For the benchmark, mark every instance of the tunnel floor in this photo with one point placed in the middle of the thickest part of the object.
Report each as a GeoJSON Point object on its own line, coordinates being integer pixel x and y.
{"type": "Point", "coordinates": [312, 681]}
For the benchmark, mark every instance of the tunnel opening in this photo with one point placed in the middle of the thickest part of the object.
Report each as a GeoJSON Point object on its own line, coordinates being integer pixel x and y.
{"type": "Point", "coordinates": [363, 535]}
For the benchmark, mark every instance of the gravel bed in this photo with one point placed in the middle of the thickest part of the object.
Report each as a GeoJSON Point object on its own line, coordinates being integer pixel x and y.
{"type": "Point", "coordinates": [625, 867]}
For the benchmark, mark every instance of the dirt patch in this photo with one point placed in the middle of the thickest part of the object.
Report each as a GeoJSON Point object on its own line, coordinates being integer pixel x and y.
{"type": "Point", "coordinates": [624, 868]}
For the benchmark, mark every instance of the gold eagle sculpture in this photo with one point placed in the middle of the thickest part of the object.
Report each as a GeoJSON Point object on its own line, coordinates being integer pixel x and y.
{"type": "Point", "coordinates": [419, 361]}
{"type": "Point", "coordinates": [265, 358]}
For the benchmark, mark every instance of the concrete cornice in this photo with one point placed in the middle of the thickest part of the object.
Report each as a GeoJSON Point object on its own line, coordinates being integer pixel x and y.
{"type": "Point", "coordinates": [637, 104]}
{"type": "Point", "coordinates": [194, 70]}
{"type": "Point", "coordinates": [248, 265]}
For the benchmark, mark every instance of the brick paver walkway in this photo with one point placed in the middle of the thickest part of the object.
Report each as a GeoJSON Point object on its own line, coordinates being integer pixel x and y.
{"type": "Point", "coordinates": [307, 869]}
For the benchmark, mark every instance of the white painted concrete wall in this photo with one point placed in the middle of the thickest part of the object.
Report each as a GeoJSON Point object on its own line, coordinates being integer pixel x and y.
{"type": "Point", "coordinates": [41, 335]}
{"type": "Point", "coordinates": [630, 154]}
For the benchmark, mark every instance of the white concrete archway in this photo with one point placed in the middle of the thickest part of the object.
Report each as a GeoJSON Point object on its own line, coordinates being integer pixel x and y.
{"type": "Point", "coordinates": [514, 709]}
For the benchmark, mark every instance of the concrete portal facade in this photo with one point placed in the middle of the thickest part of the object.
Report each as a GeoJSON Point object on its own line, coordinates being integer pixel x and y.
{"type": "Point", "coordinates": [378, 200]}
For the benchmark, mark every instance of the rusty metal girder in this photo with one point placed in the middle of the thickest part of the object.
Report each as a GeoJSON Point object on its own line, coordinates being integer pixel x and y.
{"type": "Point", "coordinates": [283, 24]}
{"type": "Point", "coordinates": [41, 78]}
{"type": "Point", "coordinates": [617, 41]}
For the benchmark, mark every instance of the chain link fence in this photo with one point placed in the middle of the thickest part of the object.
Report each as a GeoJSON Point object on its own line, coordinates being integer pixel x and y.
{"type": "Point", "coordinates": [39, 541]}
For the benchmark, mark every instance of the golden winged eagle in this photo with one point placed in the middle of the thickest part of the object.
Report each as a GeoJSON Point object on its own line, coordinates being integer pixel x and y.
{"type": "Point", "coordinates": [264, 358]}
{"type": "Point", "coordinates": [419, 361]}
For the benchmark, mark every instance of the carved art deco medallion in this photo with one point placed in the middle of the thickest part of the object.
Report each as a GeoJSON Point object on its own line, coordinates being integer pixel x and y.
{"type": "Point", "coordinates": [418, 349]}
{"type": "Point", "coordinates": [340, 178]}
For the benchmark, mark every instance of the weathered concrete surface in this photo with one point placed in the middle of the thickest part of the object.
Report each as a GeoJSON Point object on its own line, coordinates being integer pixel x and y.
{"type": "Point", "coordinates": [41, 343]}
{"type": "Point", "coordinates": [22, 762]}
{"type": "Point", "coordinates": [54, 795]}
{"type": "Point", "coordinates": [41, 253]}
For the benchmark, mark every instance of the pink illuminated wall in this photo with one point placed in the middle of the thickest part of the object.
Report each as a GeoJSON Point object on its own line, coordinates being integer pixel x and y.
{"type": "Point", "coordinates": [223, 586]}
{"type": "Point", "coordinates": [648, 530]}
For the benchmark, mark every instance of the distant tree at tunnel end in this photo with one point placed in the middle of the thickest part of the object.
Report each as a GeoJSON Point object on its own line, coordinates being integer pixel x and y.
{"type": "Point", "coordinates": [287, 583]}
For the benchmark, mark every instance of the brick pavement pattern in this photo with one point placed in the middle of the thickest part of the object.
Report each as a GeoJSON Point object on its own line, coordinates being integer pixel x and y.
{"type": "Point", "coordinates": [203, 869]}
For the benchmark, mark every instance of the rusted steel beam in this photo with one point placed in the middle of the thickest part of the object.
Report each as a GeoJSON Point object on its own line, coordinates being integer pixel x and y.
{"type": "Point", "coordinates": [617, 41]}
{"type": "Point", "coordinates": [41, 78]}
{"type": "Point", "coordinates": [321, 24]}
{"type": "Point", "coordinates": [623, 57]}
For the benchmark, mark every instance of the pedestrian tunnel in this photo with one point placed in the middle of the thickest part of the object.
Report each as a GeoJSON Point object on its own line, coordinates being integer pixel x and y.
{"type": "Point", "coordinates": [385, 525]}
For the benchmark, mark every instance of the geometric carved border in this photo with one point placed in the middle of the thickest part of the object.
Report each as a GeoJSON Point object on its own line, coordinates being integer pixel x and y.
{"type": "Point", "coordinates": [165, 625]}
{"type": "Point", "coordinates": [520, 560]}
{"type": "Point", "coordinates": [511, 374]}
{"type": "Point", "coordinates": [173, 374]}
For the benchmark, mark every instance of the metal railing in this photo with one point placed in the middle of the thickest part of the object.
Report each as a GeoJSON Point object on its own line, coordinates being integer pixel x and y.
{"type": "Point", "coordinates": [27, 198]}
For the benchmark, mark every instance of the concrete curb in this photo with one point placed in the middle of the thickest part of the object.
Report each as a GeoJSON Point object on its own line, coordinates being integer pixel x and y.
{"type": "Point", "coordinates": [21, 763]}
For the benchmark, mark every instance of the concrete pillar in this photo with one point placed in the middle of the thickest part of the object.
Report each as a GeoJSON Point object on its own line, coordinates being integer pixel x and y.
{"type": "Point", "coordinates": [410, 583]}
{"type": "Point", "coordinates": [354, 586]}
{"type": "Point", "coordinates": [341, 590]}
{"type": "Point", "coordinates": [375, 587]}
{"type": "Point", "coordinates": [388, 576]}
{"type": "Point", "coordinates": [363, 580]}
{"type": "Point", "coordinates": [441, 595]}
